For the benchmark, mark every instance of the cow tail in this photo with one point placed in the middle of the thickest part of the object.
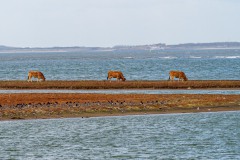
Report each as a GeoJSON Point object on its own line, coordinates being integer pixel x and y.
{"type": "Point", "coordinates": [169, 78]}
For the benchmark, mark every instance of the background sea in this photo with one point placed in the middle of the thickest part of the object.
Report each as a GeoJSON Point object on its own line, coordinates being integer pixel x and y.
{"type": "Point", "coordinates": [211, 64]}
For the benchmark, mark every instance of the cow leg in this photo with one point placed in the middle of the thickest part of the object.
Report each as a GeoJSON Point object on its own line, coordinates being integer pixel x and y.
{"type": "Point", "coordinates": [29, 79]}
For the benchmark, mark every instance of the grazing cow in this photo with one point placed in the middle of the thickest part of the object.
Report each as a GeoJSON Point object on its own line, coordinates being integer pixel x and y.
{"type": "Point", "coordinates": [35, 74]}
{"type": "Point", "coordinates": [116, 74]}
{"type": "Point", "coordinates": [177, 74]}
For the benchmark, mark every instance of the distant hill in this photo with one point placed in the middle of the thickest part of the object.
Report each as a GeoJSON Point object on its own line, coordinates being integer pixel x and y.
{"type": "Point", "coordinates": [159, 46]}
{"type": "Point", "coordinates": [216, 45]}
{"type": "Point", "coordinates": [5, 47]}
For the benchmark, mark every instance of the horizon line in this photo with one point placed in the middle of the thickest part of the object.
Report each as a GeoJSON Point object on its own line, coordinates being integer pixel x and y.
{"type": "Point", "coordinates": [122, 45]}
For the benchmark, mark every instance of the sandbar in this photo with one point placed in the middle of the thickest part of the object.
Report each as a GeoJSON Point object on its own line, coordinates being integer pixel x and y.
{"type": "Point", "coordinates": [16, 106]}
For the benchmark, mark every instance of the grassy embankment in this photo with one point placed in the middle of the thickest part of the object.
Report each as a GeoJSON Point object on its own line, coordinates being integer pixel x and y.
{"type": "Point", "coordinates": [92, 84]}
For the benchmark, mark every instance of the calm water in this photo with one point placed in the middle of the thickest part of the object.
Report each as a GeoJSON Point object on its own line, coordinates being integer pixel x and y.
{"type": "Point", "coordinates": [172, 136]}
{"type": "Point", "coordinates": [154, 65]}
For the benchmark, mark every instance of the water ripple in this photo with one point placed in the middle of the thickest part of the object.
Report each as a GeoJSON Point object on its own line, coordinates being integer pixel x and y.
{"type": "Point", "coordinates": [173, 136]}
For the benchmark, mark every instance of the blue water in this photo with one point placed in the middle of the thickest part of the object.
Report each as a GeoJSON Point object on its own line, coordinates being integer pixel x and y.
{"type": "Point", "coordinates": [144, 65]}
{"type": "Point", "coordinates": [172, 136]}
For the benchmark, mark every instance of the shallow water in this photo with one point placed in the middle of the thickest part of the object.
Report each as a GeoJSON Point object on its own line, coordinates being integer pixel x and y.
{"type": "Point", "coordinates": [172, 136]}
{"type": "Point", "coordinates": [137, 65]}
{"type": "Point", "coordinates": [129, 91]}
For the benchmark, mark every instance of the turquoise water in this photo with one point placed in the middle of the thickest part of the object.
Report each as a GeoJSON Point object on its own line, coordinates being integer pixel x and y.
{"type": "Point", "coordinates": [154, 65]}
{"type": "Point", "coordinates": [172, 136]}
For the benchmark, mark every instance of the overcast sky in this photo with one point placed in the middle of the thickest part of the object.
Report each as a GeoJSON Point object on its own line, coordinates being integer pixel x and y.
{"type": "Point", "coordinates": [105, 23]}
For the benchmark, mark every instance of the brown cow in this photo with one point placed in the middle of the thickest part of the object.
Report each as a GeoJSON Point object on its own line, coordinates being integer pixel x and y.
{"type": "Point", "coordinates": [177, 74]}
{"type": "Point", "coordinates": [35, 74]}
{"type": "Point", "coordinates": [116, 74]}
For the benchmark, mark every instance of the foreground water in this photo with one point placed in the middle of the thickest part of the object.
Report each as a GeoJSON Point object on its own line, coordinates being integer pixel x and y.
{"type": "Point", "coordinates": [141, 65]}
{"type": "Point", "coordinates": [173, 136]}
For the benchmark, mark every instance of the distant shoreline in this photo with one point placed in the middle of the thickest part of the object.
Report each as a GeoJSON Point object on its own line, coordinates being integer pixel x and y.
{"type": "Point", "coordinates": [104, 50]}
{"type": "Point", "coordinates": [123, 48]}
{"type": "Point", "coordinates": [33, 51]}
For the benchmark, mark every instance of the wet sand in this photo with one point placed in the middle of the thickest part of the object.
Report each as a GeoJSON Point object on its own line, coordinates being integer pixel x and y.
{"type": "Point", "coordinates": [63, 105]}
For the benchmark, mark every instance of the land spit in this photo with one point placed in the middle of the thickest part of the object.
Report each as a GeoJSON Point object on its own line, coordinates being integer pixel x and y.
{"type": "Point", "coordinates": [104, 84]}
{"type": "Point", "coordinates": [62, 105]}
